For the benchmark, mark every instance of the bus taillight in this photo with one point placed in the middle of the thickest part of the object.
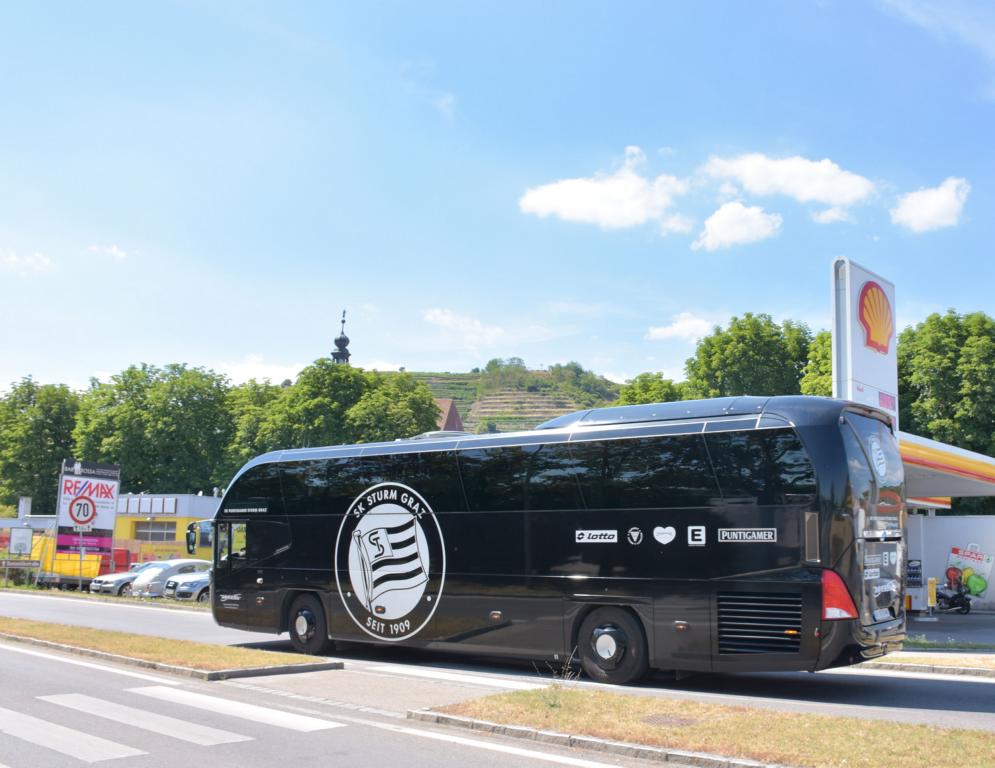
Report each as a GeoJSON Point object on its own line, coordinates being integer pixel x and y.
{"type": "Point", "coordinates": [836, 600]}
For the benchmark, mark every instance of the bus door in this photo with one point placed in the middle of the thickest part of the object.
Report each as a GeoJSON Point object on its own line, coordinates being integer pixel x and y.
{"type": "Point", "coordinates": [245, 584]}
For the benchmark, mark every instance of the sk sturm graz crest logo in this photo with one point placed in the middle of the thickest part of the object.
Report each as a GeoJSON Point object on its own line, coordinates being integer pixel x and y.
{"type": "Point", "coordinates": [391, 544]}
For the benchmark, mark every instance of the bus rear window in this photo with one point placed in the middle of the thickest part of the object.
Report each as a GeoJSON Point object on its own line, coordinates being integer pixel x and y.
{"type": "Point", "coordinates": [881, 463]}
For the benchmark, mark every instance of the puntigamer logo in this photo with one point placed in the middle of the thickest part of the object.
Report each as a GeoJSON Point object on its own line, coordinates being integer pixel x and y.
{"type": "Point", "coordinates": [748, 535]}
{"type": "Point", "coordinates": [391, 544]}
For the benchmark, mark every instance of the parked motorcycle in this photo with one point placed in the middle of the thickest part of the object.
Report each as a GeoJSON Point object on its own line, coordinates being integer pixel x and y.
{"type": "Point", "coordinates": [953, 598]}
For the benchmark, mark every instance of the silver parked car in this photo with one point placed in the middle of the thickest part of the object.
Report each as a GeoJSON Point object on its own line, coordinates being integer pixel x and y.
{"type": "Point", "coordinates": [120, 583]}
{"type": "Point", "coordinates": [152, 582]}
{"type": "Point", "coordinates": [190, 586]}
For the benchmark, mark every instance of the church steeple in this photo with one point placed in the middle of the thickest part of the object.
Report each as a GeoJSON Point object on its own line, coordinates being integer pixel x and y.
{"type": "Point", "coordinates": [341, 353]}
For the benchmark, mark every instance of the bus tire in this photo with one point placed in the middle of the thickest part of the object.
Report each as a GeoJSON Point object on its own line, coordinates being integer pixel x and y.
{"type": "Point", "coordinates": [308, 626]}
{"type": "Point", "coordinates": [612, 646]}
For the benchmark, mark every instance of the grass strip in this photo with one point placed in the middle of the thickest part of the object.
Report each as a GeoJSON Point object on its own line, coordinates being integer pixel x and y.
{"type": "Point", "coordinates": [920, 643]}
{"type": "Point", "coordinates": [180, 653]}
{"type": "Point", "coordinates": [788, 738]}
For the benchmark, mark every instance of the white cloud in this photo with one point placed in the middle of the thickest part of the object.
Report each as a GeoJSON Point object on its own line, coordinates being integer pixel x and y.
{"type": "Point", "coordinates": [35, 263]}
{"type": "Point", "coordinates": [255, 366]}
{"type": "Point", "coordinates": [108, 250]}
{"type": "Point", "coordinates": [933, 207]}
{"type": "Point", "coordinates": [684, 325]}
{"type": "Point", "coordinates": [737, 224]}
{"type": "Point", "coordinates": [973, 23]}
{"type": "Point", "coordinates": [831, 216]}
{"type": "Point", "coordinates": [612, 201]}
{"type": "Point", "coordinates": [464, 329]}
{"type": "Point", "coordinates": [617, 378]}
{"type": "Point", "coordinates": [807, 181]}
{"type": "Point", "coordinates": [445, 103]}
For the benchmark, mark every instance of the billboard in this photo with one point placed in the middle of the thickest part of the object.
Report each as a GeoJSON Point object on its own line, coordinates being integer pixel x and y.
{"type": "Point", "coordinates": [865, 358]}
{"type": "Point", "coordinates": [87, 506]}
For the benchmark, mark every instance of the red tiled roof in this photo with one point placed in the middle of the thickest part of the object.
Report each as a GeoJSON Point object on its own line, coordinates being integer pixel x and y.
{"type": "Point", "coordinates": [449, 418]}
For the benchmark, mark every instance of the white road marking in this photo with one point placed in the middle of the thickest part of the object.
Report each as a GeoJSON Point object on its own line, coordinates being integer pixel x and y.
{"type": "Point", "coordinates": [265, 715]}
{"type": "Point", "coordinates": [84, 746]}
{"type": "Point", "coordinates": [193, 733]}
{"type": "Point", "coordinates": [494, 747]}
{"type": "Point", "coordinates": [88, 665]}
{"type": "Point", "coordinates": [456, 677]}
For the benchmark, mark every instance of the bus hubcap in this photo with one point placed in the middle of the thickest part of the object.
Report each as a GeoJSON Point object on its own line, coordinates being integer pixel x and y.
{"type": "Point", "coordinates": [304, 625]}
{"type": "Point", "coordinates": [609, 645]}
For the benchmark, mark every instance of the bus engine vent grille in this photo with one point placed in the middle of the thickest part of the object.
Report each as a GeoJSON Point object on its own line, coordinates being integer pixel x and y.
{"type": "Point", "coordinates": [760, 622]}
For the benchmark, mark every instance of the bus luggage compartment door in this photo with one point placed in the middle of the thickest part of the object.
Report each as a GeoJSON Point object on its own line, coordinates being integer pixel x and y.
{"type": "Point", "coordinates": [683, 619]}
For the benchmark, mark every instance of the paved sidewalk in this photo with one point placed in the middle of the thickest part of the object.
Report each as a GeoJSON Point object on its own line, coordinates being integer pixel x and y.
{"type": "Point", "coordinates": [975, 627]}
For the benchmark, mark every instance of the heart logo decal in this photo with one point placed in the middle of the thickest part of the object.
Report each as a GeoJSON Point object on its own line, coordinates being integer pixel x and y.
{"type": "Point", "coordinates": [664, 535]}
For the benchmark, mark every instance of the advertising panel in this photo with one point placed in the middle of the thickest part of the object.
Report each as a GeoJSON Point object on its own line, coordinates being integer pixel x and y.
{"type": "Point", "coordinates": [20, 542]}
{"type": "Point", "coordinates": [87, 506]}
{"type": "Point", "coordinates": [971, 567]}
{"type": "Point", "coordinates": [865, 359]}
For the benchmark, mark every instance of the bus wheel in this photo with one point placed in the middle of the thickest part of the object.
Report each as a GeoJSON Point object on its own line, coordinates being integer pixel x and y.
{"type": "Point", "coordinates": [308, 628]}
{"type": "Point", "coordinates": [611, 646]}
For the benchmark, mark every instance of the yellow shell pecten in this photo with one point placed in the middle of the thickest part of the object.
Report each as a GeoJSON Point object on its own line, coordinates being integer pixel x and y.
{"type": "Point", "coordinates": [875, 315]}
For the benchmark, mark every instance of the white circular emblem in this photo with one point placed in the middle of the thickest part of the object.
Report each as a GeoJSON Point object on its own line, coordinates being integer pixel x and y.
{"type": "Point", "coordinates": [390, 545]}
{"type": "Point", "coordinates": [878, 458]}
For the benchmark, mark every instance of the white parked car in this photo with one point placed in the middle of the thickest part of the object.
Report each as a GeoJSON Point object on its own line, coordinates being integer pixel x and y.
{"type": "Point", "coordinates": [120, 583]}
{"type": "Point", "coordinates": [152, 581]}
{"type": "Point", "coordinates": [189, 586]}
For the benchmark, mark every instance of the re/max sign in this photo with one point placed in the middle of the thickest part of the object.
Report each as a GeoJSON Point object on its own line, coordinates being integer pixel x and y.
{"type": "Point", "coordinates": [94, 490]}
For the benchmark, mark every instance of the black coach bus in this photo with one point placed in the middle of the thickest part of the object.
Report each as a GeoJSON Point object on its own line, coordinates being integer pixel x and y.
{"type": "Point", "coordinates": [735, 534]}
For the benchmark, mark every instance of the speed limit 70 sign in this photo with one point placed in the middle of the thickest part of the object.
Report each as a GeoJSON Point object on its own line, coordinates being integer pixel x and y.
{"type": "Point", "coordinates": [82, 511]}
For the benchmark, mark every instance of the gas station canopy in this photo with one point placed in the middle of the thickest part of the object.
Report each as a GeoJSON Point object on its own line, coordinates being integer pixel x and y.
{"type": "Point", "coordinates": [934, 469]}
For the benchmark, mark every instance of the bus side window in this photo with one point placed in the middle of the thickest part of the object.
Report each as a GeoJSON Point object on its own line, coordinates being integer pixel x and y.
{"type": "Point", "coordinates": [494, 478]}
{"type": "Point", "coordinates": [661, 472]}
{"type": "Point", "coordinates": [765, 467]}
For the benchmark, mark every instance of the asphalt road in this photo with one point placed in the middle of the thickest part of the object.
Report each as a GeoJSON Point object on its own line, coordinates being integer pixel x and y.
{"type": "Point", "coordinates": [63, 712]}
{"type": "Point", "coordinates": [390, 679]}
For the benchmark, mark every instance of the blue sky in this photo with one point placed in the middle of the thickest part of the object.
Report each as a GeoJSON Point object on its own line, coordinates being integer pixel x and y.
{"type": "Point", "coordinates": [600, 182]}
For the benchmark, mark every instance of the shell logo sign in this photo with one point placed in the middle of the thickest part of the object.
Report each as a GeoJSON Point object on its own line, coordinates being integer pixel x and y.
{"type": "Point", "coordinates": [876, 317]}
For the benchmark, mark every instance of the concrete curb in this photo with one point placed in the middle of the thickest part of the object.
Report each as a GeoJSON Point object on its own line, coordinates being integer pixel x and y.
{"type": "Point", "coordinates": [622, 748]}
{"type": "Point", "coordinates": [931, 669]}
{"type": "Point", "coordinates": [172, 669]}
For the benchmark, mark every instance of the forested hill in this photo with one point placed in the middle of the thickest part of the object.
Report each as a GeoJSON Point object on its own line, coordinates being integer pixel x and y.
{"type": "Point", "coordinates": [505, 395]}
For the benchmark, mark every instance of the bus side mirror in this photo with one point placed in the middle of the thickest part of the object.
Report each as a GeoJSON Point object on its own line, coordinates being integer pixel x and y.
{"type": "Point", "coordinates": [192, 539]}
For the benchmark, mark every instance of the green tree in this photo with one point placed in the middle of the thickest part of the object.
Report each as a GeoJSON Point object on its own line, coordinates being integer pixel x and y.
{"type": "Point", "coordinates": [314, 410]}
{"type": "Point", "coordinates": [818, 376]}
{"type": "Point", "coordinates": [396, 406]}
{"type": "Point", "coordinates": [650, 388]}
{"type": "Point", "coordinates": [753, 356]}
{"type": "Point", "coordinates": [249, 406]}
{"type": "Point", "coordinates": [168, 428]}
{"type": "Point", "coordinates": [947, 380]}
{"type": "Point", "coordinates": [585, 387]}
{"type": "Point", "coordinates": [36, 425]}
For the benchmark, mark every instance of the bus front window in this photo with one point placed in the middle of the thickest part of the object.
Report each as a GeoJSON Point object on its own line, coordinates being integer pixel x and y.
{"type": "Point", "coordinates": [222, 545]}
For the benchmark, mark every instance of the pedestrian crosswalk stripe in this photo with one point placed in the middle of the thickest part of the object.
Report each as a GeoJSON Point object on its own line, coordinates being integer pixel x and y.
{"type": "Point", "coordinates": [83, 746]}
{"type": "Point", "coordinates": [493, 681]}
{"type": "Point", "coordinates": [193, 733]}
{"type": "Point", "coordinates": [253, 712]}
